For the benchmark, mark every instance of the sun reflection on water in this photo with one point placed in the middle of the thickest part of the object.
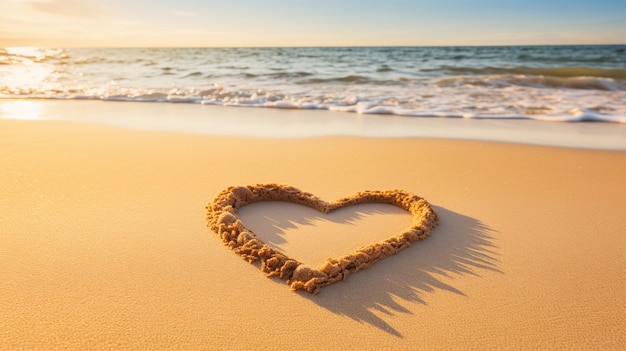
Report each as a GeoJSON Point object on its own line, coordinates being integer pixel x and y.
{"type": "Point", "coordinates": [32, 53]}
{"type": "Point", "coordinates": [25, 74]}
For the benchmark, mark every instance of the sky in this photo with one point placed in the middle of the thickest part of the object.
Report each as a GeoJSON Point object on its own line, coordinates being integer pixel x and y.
{"type": "Point", "coordinates": [236, 23]}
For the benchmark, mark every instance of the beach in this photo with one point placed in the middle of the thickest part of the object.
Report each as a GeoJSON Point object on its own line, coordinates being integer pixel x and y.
{"type": "Point", "coordinates": [105, 243]}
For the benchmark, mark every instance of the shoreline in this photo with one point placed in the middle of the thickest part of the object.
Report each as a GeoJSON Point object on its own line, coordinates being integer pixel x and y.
{"type": "Point", "coordinates": [290, 123]}
{"type": "Point", "coordinates": [105, 242]}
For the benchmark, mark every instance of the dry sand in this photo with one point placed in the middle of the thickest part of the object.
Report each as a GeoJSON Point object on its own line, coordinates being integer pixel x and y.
{"type": "Point", "coordinates": [104, 243]}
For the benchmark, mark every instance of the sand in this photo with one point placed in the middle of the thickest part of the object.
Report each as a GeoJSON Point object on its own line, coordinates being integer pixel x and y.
{"type": "Point", "coordinates": [104, 243]}
{"type": "Point", "coordinates": [223, 218]}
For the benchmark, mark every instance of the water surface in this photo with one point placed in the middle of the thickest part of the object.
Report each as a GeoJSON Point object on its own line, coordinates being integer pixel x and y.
{"type": "Point", "coordinates": [550, 83]}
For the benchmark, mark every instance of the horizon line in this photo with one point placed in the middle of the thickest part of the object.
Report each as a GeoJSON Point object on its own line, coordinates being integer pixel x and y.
{"type": "Point", "coordinates": [301, 46]}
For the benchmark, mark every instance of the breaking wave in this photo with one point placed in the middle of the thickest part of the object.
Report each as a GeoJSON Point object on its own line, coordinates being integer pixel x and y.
{"type": "Point", "coordinates": [565, 84]}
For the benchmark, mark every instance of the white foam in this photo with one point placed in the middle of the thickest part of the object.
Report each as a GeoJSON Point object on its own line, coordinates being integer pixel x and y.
{"type": "Point", "coordinates": [415, 82]}
{"type": "Point", "coordinates": [297, 123]}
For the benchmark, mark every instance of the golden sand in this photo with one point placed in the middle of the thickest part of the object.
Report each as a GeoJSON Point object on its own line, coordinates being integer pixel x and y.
{"type": "Point", "coordinates": [104, 244]}
{"type": "Point", "coordinates": [222, 218]}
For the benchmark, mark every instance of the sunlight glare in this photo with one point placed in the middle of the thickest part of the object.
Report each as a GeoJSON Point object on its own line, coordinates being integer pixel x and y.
{"type": "Point", "coordinates": [24, 110]}
{"type": "Point", "coordinates": [26, 72]}
{"type": "Point", "coordinates": [34, 53]}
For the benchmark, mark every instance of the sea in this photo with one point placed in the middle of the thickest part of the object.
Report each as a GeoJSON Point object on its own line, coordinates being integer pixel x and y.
{"type": "Point", "coordinates": [544, 83]}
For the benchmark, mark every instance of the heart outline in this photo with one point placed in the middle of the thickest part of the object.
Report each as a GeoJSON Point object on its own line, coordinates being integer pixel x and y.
{"type": "Point", "coordinates": [222, 219]}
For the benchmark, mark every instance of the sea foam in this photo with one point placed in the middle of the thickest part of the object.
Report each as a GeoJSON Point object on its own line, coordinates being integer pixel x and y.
{"type": "Point", "coordinates": [537, 83]}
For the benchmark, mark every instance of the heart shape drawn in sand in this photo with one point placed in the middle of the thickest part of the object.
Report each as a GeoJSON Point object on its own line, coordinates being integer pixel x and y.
{"type": "Point", "coordinates": [222, 218]}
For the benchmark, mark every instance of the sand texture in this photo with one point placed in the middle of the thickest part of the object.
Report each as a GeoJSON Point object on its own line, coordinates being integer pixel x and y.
{"type": "Point", "coordinates": [104, 243]}
{"type": "Point", "coordinates": [222, 218]}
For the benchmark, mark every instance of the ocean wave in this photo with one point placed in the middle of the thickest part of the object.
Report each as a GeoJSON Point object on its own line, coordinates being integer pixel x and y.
{"type": "Point", "coordinates": [455, 82]}
{"type": "Point", "coordinates": [564, 59]}
{"type": "Point", "coordinates": [350, 104]}
{"type": "Point", "coordinates": [562, 72]}
{"type": "Point", "coordinates": [507, 80]}
{"type": "Point", "coordinates": [574, 115]}
{"type": "Point", "coordinates": [89, 61]}
{"type": "Point", "coordinates": [21, 55]}
{"type": "Point", "coordinates": [356, 79]}
{"type": "Point", "coordinates": [283, 75]}
{"type": "Point", "coordinates": [235, 67]}
{"type": "Point", "coordinates": [193, 74]}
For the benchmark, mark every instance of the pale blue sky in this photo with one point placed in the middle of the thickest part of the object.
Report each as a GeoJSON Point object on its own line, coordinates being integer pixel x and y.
{"type": "Point", "coordinates": [310, 23]}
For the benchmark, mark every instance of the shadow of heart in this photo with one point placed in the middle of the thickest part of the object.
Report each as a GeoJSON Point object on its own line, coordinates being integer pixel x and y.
{"type": "Point", "coordinates": [310, 237]}
{"type": "Point", "coordinates": [222, 218]}
{"type": "Point", "coordinates": [459, 245]}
